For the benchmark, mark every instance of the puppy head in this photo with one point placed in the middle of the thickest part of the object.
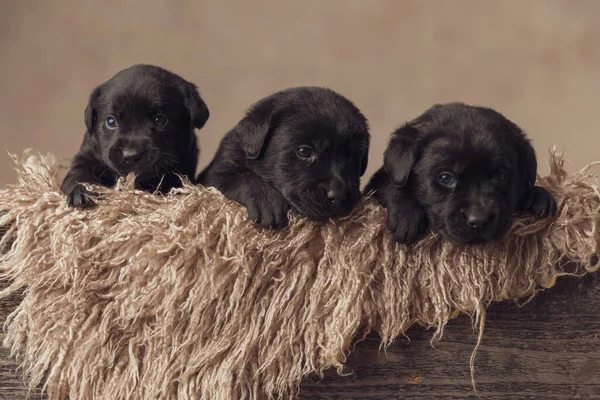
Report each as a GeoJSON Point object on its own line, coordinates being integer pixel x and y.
{"type": "Point", "coordinates": [312, 145]}
{"type": "Point", "coordinates": [469, 167]}
{"type": "Point", "coordinates": [143, 120]}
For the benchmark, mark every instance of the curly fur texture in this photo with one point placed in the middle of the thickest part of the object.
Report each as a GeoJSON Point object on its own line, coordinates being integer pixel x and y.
{"type": "Point", "coordinates": [181, 297]}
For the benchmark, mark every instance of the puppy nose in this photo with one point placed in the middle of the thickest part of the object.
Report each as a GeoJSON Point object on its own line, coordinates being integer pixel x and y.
{"type": "Point", "coordinates": [336, 193]}
{"type": "Point", "coordinates": [131, 155]}
{"type": "Point", "coordinates": [477, 217]}
{"type": "Point", "coordinates": [335, 197]}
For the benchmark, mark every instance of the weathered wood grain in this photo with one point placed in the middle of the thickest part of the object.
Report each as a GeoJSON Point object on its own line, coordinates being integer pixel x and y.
{"type": "Point", "coordinates": [12, 382]}
{"type": "Point", "coordinates": [546, 349]}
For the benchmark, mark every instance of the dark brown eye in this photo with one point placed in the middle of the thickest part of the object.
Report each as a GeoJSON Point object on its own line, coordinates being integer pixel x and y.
{"type": "Point", "coordinates": [111, 122]}
{"type": "Point", "coordinates": [160, 120]}
{"type": "Point", "coordinates": [446, 179]}
{"type": "Point", "coordinates": [304, 152]}
{"type": "Point", "coordinates": [502, 176]}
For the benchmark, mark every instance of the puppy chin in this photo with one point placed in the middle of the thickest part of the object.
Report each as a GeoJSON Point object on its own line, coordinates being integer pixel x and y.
{"type": "Point", "coordinates": [458, 233]}
{"type": "Point", "coordinates": [145, 166]}
{"type": "Point", "coordinates": [121, 169]}
{"type": "Point", "coordinates": [460, 237]}
{"type": "Point", "coordinates": [317, 209]}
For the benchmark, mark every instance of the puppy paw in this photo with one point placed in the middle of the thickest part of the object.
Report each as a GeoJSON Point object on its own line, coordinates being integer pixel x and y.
{"type": "Point", "coordinates": [269, 211]}
{"type": "Point", "coordinates": [407, 225]}
{"type": "Point", "coordinates": [80, 197]}
{"type": "Point", "coordinates": [543, 204]}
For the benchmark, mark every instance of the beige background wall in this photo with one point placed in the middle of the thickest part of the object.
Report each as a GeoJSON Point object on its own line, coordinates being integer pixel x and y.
{"type": "Point", "coordinates": [536, 61]}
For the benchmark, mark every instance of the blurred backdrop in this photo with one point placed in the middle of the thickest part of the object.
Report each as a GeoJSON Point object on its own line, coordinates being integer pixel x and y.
{"type": "Point", "coordinates": [536, 61]}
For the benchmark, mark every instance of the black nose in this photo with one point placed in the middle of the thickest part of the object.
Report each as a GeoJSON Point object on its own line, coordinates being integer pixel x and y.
{"type": "Point", "coordinates": [477, 217]}
{"type": "Point", "coordinates": [336, 193]}
{"type": "Point", "coordinates": [131, 156]}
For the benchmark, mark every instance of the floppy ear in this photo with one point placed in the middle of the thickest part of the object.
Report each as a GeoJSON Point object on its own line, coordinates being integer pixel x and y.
{"type": "Point", "coordinates": [197, 107]}
{"type": "Point", "coordinates": [525, 152]}
{"type": "Point", "coordinates": [527, 169]}
{"type": "Point", "coordinates": [364, 159]}
{"type": "Point", "coordinates": [363, 162]}
{"type": "Point", "coordinates": [527, 161]}
{"type": "Point", "coordinates": [90, 115]}
{"type": "Point", "coordinates": [527, 155]}
{"type": "Point", "coordinates": [253, 130]}
{"type": "Point", "coordinates": [403, 150]}
{"type": "Point", "coordinates": [401, 154]}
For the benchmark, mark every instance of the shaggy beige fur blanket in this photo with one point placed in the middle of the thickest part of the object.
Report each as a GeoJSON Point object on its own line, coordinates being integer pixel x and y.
{"type": "Point", "coordinates": [180, 297]}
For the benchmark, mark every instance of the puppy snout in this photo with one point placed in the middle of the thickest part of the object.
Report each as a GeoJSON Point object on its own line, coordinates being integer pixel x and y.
{"type": "Point", "coordinates": [477, 217]}
{"type": "Point", "coordinates": [132, 155]}
{"type": "Point", "coordinates": [336, 193]}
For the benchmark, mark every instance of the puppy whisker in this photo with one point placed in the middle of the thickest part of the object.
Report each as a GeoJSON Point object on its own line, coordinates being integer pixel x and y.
{"type": "Point", "coordinates": [170, 159]}
{"type": "Point", "coordinates": [102, 169]}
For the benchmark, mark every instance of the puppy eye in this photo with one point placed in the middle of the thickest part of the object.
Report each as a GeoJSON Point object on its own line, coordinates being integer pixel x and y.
{"type": "Point", "coordinates": [111, 122]}
{"type": "Point", "coordinates": [304, 152]}
{"type": "Point", "coordinates": [447, 180]}
{"type": "Point", "coordinates": [160, 120]}
{"type": "Point", "coordinates": [502, 176]}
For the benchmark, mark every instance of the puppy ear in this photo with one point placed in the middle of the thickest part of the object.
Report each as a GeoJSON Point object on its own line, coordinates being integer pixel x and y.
{"type": "Point", "coordinates": [527, 169]}
{"type": "Point", "coordinates": [363, 162]}
{"type": "Point", "coordinates": [403, 150]}
{"type": "Point", "coordinates": [197, 107]}
{"type": "Point", "coordinates": [90, 115]}
{"type": "Point", "coordinates": [527, 154]}
{"type": "Point", "coordinates": [401, 154]}
{"type": "Point", "coordinates": [252, 131]}
{"type": "Point", "coordinates": [526, 160]}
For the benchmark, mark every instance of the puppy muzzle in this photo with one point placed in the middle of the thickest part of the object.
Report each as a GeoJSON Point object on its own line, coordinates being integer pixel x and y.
{"type": "Point", "coordinates": [131, 156]}
{"type": "Point", "coordinates": [325, 201]}
{"type": "Point", "coordinates": [475, 223]}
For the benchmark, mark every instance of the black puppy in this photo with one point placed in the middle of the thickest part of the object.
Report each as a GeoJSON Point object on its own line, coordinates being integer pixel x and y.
{"type": "Point", "coordinates": [459, 170]}
{"type": "Point", "coordinates": [142, 120]}
{"type": "Point", "coordinates": [303, 148]}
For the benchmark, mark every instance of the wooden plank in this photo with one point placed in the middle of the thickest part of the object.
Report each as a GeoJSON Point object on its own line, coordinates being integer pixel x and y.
{"type": "Point", "coordinates": [547, 349]}
{"type": "Point", "coordinates": [12, 383]}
